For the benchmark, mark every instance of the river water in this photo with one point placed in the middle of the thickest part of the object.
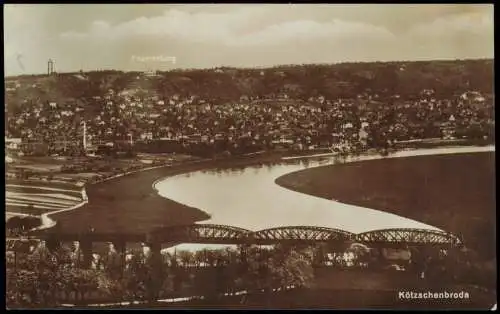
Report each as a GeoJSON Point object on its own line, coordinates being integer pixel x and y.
{"type": "Point", "coordinates": [249, 198]}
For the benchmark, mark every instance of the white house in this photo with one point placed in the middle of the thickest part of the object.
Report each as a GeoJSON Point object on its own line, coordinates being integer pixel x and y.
{"type": "Point", "coordinates": [146, 136]}
{"type": "Point", "coordinates": [13, 143]}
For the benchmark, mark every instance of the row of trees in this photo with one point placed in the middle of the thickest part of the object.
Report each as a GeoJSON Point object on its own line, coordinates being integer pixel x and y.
{"type": "Point", "coordinates": [47, 278]}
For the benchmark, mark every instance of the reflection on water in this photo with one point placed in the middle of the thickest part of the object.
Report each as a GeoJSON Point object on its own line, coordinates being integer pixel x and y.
{"type": "Point", "coordinates": [248, 197]}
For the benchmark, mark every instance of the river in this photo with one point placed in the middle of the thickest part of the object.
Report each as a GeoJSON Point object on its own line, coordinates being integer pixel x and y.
{"type": "Point", "coordinates": [249, 198]}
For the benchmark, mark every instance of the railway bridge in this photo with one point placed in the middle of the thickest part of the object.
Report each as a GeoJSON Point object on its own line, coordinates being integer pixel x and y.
{"type": "Point", "coordinates": [230, 235]}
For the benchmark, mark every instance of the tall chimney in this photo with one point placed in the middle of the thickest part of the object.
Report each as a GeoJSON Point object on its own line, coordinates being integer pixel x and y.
{"type": "Point", "coordinates": [84, 135]}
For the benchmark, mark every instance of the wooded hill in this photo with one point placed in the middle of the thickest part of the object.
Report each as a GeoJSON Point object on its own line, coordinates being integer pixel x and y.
{"type": "Point", "coordinates": [346, 80]}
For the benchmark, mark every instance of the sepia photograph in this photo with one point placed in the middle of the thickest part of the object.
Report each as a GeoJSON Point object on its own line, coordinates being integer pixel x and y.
{"type": "Point", "coordinates": [250, 156]}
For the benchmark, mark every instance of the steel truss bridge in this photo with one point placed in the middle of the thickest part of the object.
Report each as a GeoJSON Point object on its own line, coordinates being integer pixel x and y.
{"type": "Point", "coordinates": [221, 234]}
{"type": "Point", "coordinates": [293, 235]}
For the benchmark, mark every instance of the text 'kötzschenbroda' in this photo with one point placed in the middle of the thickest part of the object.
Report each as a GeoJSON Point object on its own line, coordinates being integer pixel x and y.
{"type": "Point", "coordinates": [433, 295]}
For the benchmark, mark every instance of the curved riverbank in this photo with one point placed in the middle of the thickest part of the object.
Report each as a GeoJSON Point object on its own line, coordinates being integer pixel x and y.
{"type": "Point", "coordinates": [455, 192]}
{"type": "Point", "coordinates": [48, 222]}
{"type": "Point", "coordinates": [127, 204]}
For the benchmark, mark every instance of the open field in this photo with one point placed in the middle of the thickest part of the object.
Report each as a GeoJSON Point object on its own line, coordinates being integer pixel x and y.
{"type": "Point", "coordinates": [452, 192]}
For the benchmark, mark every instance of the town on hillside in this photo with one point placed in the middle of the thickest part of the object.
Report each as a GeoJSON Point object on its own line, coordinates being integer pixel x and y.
{"type": "Point", "coordinates": [240, 111]}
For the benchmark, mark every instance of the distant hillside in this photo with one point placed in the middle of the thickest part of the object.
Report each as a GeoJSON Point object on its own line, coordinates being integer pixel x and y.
{"type": "Point", "coordinates": [347, 80]}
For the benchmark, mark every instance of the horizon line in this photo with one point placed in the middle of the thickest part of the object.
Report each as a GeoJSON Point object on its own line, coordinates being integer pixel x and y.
{"type": "Point", "coordinates": [183, 69]}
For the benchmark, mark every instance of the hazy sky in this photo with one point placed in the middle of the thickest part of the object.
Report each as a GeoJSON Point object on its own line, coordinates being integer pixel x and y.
{"type": "Point", "coordinates": [104, 36]}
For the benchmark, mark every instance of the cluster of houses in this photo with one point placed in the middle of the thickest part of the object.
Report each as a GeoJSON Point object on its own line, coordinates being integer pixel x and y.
{"type": "Point", "coordinates": [137, 117]}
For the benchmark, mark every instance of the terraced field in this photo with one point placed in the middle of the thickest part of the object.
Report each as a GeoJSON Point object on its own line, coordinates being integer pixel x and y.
{"type": "Point", "coordinates": [35, 197]}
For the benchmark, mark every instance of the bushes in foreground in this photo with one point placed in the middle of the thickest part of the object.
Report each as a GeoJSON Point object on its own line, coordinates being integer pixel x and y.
{"type": "Point", "coordinates": [45, 278]}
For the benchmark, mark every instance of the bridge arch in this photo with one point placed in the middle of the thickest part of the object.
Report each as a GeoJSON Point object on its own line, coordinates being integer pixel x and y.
{"type": "Point", "coordinates": [202, 233]}
{"type": "Point", "coordinates": [301, 234]}
{"type": "Point", "coordinates": [408, 236]}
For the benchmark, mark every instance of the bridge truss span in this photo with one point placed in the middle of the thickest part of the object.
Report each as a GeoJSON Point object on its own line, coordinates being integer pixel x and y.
{"type": "Point", "coordinates": [301, 234]}
{"type": "Point", "coordinates": [408, 236]}
{"type": "Point", "coordinates": [202, 233]}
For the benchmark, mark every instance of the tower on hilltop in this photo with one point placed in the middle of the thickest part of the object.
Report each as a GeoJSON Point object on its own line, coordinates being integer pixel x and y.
{"type": "Point", "coordinates": [50, 67]}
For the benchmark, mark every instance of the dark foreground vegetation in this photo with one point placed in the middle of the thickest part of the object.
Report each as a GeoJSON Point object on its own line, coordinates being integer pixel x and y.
{"type": "Point", "coordinates": [251, 277]}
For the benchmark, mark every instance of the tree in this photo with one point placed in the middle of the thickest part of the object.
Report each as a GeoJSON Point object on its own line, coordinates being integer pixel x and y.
{"type": "Point", "coordinates": [277, 268]}
{"type": "Point", "coordinates": [14, 225]}
{"type": "Point", "coordinates": [362, 254]}
{"type": "Point", "coordinates": [22, 288]}
{"type": "Point", "coordinates": [86, 281]}
{"type": "Point", "coordinates": [134, 278]}
{"type": "Point", "coordinates": [29, 222]}
{"type": "Point", "coordinates": [294, 267]}
{"type": "Point", "coordinates": [186, 257]}
{"type": "Point", "coordinates": [199, 258]}
{"type": "Point", "coordinates": [167, 276]}
{"type": "Point", "coordinates": [34, 282]}
{"type": "Point", "coordinates": [43, 275]}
